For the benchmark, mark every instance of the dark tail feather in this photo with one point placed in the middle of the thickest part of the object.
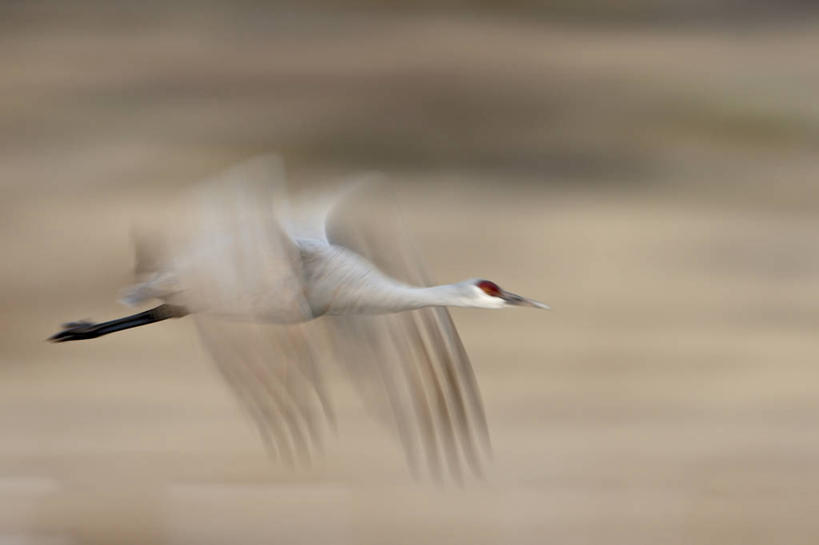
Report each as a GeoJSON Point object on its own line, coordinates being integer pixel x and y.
{"type": "Point", "coordinates": [77, 331]}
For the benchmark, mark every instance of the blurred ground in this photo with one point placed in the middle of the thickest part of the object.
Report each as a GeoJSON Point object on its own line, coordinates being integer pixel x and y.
{"type": "Point", "coordinates": [653, 182]}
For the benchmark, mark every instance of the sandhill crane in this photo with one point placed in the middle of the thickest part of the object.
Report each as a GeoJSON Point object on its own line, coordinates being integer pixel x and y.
{"type": "Point", "coordinates": [245, 257]}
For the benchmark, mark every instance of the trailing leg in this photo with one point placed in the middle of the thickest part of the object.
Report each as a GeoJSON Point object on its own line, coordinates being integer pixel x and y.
{"type": "Point", "coordinates": [77, 331]}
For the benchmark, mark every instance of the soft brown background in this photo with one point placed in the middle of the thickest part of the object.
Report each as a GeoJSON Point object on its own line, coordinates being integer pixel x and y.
{"type": "Point", "coordinates": [648, 169]}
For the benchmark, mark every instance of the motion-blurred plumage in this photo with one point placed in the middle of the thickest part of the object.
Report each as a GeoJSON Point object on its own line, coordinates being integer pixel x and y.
{"type": "Point", "coordinates": [242, 256]}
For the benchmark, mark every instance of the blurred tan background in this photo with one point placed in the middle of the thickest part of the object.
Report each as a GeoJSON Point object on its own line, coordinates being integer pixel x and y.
{"type": "Point", "coordinates": [647, 168]}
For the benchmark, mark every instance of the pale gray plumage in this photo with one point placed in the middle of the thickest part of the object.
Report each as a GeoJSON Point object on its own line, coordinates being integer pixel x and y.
{"type": "Point", "coordinates": [255, 270]}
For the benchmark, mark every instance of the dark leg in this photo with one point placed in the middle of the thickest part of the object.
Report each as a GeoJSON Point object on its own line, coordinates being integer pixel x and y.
{"type": "Point", "coordinates": [77, 331]}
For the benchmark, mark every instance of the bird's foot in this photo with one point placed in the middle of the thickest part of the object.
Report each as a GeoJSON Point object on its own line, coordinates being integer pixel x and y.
{"type": "Point", "coordinates": [74, 331]}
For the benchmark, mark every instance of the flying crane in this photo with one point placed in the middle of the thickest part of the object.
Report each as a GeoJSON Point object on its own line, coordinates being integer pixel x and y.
{"type": "Point", "coordinates": [277, 287]}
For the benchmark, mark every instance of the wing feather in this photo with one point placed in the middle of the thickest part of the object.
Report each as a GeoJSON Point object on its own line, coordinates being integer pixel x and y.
{"type": "Point", "coordinates": [223, 250]}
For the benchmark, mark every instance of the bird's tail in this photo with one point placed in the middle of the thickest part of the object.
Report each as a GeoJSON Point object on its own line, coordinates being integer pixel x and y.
{"type": "Point", "coordinates": [77, 331]}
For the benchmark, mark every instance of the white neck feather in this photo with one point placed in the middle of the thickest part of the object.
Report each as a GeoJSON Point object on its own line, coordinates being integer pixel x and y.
{"type": "Point", "coordinates": [397, 297]}
{"type": "Point", "coordinates": [341, 282]}
{"type": "Point", "coordinates": [410, 297]}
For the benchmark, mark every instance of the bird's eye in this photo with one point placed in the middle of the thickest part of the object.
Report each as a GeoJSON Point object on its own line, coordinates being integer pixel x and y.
{"type": "Point", "coordinates": [489, 288]}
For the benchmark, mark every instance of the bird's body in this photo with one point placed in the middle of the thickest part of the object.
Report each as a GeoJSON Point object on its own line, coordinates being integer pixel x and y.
{"type": "Point", "coordinates": [333, 280]}
{"type": "Point", "coordinates": [239, 260]}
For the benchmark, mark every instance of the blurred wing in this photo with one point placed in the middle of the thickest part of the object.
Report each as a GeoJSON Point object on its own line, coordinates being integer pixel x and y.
{"type": "Point", "coordinates": [224, 250]}
{"type": "Point", "coordinates": [273, 371]}
{"type": "Point", "coordinates": [225, 256]}
{"type": "Point", "coordinates": [311, 210]}
{"type": "Point", "coordinates": [411, 366]}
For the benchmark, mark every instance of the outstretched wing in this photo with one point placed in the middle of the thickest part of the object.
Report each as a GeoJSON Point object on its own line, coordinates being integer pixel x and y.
{"type": "Point", "coordinates": [223, 253]}
{"type": "Point", "coordinates": [224, 250]}
{"type": "Point", "coordinates": [411, 366]}
{"type": "Point", "coordinates": [274, 372]}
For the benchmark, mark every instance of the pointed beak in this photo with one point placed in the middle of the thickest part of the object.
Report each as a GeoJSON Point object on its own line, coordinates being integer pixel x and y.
{"type": "Point", "coordinates": [520, 301]}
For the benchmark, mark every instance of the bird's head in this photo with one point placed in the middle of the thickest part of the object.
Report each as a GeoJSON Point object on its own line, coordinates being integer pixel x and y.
{"type": "Point", "coordinates": [486, 294]}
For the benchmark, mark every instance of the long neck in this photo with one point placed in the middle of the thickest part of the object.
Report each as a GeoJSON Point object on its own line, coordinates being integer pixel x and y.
{"type": "Point", "coordinates": [410, 297]}
{"type": "Point", "coordinates": [342, 282]}
{"type": "Point", "coordinates": [390, 296]}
